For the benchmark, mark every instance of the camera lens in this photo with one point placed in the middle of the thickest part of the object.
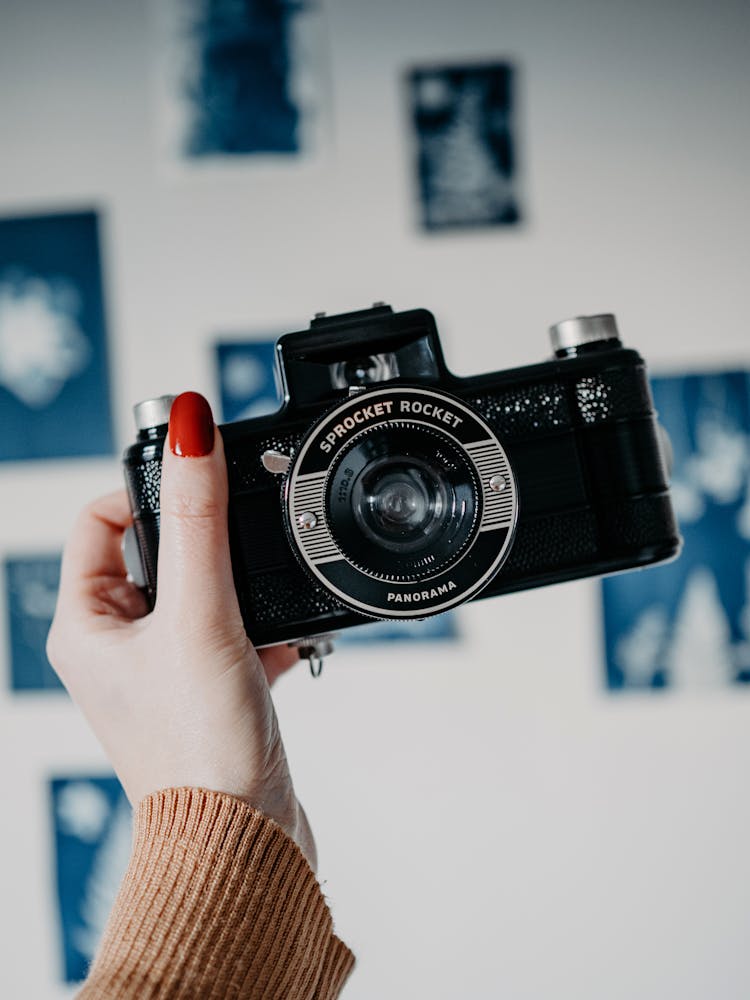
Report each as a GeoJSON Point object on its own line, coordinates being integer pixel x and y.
{"type": "Point", "coordinates": [401, 503]}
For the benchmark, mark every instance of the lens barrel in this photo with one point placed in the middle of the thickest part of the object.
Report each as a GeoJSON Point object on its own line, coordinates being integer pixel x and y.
{"type": "Point", "coordinates": [401, 500]}
{"type": "Point", "coordinates": [400, 503]}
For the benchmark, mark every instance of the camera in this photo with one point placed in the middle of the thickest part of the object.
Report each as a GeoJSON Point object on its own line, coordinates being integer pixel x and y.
{"type": "Point", "coordinates": [386, 487]}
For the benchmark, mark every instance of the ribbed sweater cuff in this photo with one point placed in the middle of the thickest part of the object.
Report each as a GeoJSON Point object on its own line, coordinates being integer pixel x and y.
{"type": "Point", "coordinates": [217, 903]}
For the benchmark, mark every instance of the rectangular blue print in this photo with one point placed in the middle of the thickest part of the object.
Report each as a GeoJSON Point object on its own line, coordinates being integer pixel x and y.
{"type": "Point", "coordinates": [31, 584]}
{"type": "Point", "coordinates": [463, 122]}
{"type": "Point", "coordinates": [54, 379]}
{"type": "Point", "coordinates": [438, 628]}
{"type": "Point", "coordinates": [240, 78]}
{"type": "Point", "coordinates": [92, 829]}
{"type": "Point", "coordinates": [687, 624]}
{"type": "Point", "coordinates": [247, 382]}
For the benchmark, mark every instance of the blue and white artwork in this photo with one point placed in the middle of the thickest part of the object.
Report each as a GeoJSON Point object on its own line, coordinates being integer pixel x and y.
{"type": "Point", "coordinates": [31, 584]}
{"type": "Point", "coordinates": [687, 624]}
{"type": "Point", "coordinates": [465, 135]}
{"type": "Point", "coordinates": [239, 78]}
{"type": "Point", "coordinates": [54, 379]}
{"type": "Point", "coordinates": [439, 628]}
{"type": "Point", "coordinates": [92, 828]}
{"type": "Point", "coordinates": [247, 379]}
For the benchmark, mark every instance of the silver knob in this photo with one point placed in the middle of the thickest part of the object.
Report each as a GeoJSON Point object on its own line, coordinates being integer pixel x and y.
{"type": "Point", "coordinates": [152, 412]}
{"type": "Point", "coordinates": [580, 330]}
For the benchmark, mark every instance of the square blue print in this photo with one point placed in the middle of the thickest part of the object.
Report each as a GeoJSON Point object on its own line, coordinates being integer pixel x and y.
{"type": "Point", "coordinates": [91, 826]}
{"type": "Point", "coordinates": [687, 624]}
{"type": "Point", "coordinates": [247, 379]}
{"type": "Point", "coordinates": [464, 131]}
{"type": "Point", "coordinates": [31, 585]}
{"type": "Point", "coordinates": [54, 380]}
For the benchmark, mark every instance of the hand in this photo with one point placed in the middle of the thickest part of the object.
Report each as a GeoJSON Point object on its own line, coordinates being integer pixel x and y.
{"type": "Point", "coordinates": [177, 697]}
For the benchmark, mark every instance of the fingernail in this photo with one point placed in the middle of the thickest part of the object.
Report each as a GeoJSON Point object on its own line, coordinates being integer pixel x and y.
{"type": "Point", "coordinates": [191, 426]}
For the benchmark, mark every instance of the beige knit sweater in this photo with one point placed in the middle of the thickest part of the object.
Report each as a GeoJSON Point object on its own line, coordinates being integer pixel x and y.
{"type": "Point", "coordinates": [217, 903]}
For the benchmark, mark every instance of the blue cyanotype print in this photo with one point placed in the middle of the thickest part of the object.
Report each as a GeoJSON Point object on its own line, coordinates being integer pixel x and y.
{"type": "Point", "coordinates": [247, 380]}
{"type": "Point", "coordinates": [92, 828]}
{"type": "Point", "coordinates": [31, 584]}
{"type": "Point", "coordinates": [243, 90]}
{"type": "Point", "coordinates": [54, 382]}
{"type": "Point", "coordinates": [687, 624]}
{"type": "Point", "coordinates": [463, 120]}
{"type": "Point", "coordinates": [439, 628]}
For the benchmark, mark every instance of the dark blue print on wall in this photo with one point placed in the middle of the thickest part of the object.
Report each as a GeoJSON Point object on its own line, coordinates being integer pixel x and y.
{"type": "Point", "coordinates": [54, 388]}
{"type": "Point", "coordinates": [241, 87]}
{"type": "Point", "coordinates": [463, 120]}
{"type": "Point", "coordinates": [437, 628]}
{"type": "Point", "coordinates": [92, 826]}
{"type": "Point", "coordinates": [31, 584]}
{"type": "Point", "coordinates": [687, 624]}
{"type": "Point", "coordinates": [247, 381]}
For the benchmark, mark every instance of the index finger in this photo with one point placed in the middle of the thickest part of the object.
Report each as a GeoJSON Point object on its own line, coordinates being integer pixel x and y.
{"type": "Point", "coordinates": [93, 549]}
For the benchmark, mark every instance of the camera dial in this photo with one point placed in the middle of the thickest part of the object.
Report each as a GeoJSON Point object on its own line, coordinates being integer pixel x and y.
{"type": "Point", "coordinates": [401, 502]}
{"type": "Point", "coordinates": [582, 333]}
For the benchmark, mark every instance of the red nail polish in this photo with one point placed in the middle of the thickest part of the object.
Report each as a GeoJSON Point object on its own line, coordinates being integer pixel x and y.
{"type": "Point", "coordinates": [191, 426]}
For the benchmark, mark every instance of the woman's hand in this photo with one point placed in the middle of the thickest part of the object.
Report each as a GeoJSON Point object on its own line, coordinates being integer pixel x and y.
{"type": "Point", "coordinates": [178, 697]}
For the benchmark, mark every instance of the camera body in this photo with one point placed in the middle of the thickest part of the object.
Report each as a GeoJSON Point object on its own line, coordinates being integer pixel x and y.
{"type": "Point", "coordinates": [387, 487]}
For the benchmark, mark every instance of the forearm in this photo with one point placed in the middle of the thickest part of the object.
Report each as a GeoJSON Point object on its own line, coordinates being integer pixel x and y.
{"type": "Point", "coordinates": [217, 902]}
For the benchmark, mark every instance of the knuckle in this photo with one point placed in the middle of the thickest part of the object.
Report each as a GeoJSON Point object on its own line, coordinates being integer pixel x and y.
{"type": "Point", "coordinates": [188, 507]}
{"type": "Point", "coordinates": [86, 514]}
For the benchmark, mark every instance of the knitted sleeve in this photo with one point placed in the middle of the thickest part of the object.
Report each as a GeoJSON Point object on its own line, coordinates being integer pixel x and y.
{"type": "Point", "coordinates": [217, 903]}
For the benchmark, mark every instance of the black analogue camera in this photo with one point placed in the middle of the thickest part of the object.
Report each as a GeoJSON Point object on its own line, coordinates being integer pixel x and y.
{"type": "Point", "coordinates": [386, 487]}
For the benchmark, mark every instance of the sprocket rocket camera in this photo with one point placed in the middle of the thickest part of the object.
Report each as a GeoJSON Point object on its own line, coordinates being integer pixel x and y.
{"type": "Point", "coordinates": [386, 487]}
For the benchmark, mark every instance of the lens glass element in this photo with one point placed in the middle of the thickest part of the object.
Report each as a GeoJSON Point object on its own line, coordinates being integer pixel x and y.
{"type": "Point", "coordinates": [402, 501]}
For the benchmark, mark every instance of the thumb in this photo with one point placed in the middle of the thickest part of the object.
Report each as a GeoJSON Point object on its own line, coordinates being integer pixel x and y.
{"type": "Point", "coordinates": [194, 568]}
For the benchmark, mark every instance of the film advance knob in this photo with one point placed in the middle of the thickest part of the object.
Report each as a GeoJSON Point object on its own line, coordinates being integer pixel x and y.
{"type": "Point", "coordinates": [152, 412]}
{"type": "Point", "coordinates": [580, 330]}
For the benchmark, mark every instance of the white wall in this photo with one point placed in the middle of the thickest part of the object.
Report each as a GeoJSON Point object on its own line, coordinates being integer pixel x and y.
{"type": "Point", "coordinates": [489, 824]}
